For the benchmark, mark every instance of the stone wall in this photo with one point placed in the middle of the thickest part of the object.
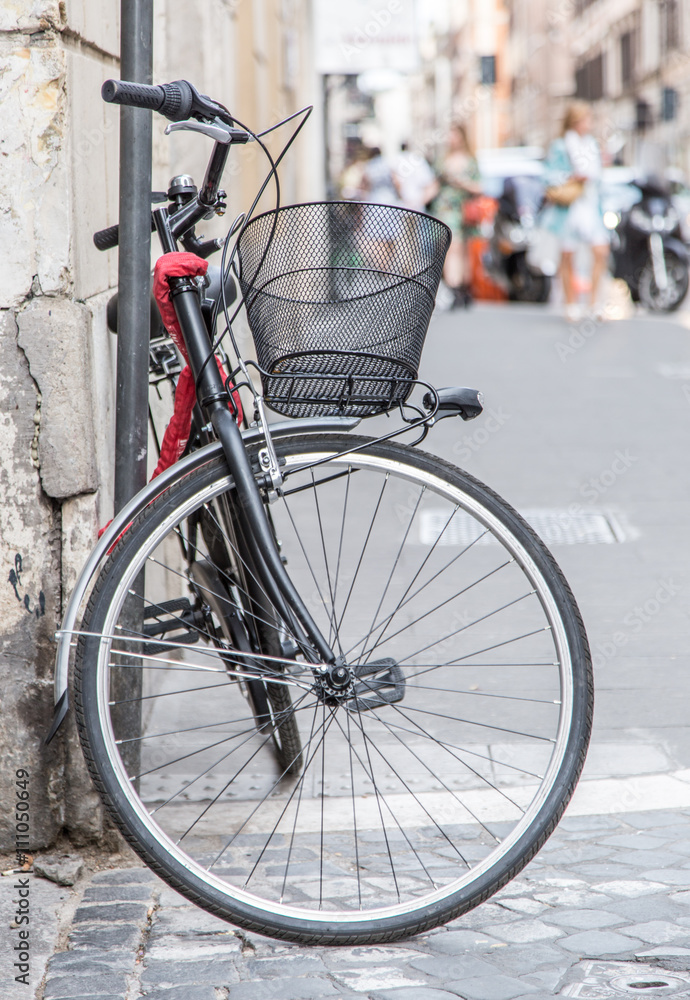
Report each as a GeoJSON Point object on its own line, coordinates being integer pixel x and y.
{"type": "Point", "coordinates": [58, 183]}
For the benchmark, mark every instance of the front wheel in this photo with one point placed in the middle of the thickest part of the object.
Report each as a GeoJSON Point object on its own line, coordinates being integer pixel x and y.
{"type": "Point", "coordinates": [435, 763]}
{"type": "Point", "coordinates": [664, 299]}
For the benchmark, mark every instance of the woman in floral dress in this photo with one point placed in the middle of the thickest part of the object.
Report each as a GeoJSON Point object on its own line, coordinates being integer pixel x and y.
{"type": "Point", "coordinates": [457, 180]}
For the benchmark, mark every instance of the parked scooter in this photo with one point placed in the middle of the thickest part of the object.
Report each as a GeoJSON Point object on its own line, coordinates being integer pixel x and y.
{"type": "Point", "coordinates": [507, 259]}
{"type": "Point", "coordinates": [647, 249]}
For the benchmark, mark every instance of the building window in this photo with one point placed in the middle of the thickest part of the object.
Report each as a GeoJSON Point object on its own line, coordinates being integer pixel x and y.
{"type": "Point", "coordinates": [589, 79]}
{"type": "Point", "coordinates": [627, 58]}
{"type": "Point", "coordinates": [487, 70]}
{"type": "Point", "coordinates": [643, 115]}
{"type": "Point", "coordinates": [669, 11]}
{"type": "Point", "coordinates": [669, 104]}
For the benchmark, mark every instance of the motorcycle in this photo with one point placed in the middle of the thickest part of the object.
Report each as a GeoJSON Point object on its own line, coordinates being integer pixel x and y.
{"type": "Point", "coordinates": [647, 250]}
{"type": "Point", "coordinates": [508, 259]}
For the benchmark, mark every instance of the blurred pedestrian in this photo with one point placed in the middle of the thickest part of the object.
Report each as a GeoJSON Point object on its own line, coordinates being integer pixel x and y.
{"type": "Point", "coordinates": [457, 181]}
{"type": "Point", "coordinates": [378, 186]}
{"type": "Point", "coordinates": [412, 177]}
{"type": "Point", "coordinates": [351, 181]}
{"type": "Point", "coordinates": [573, 213]}
{"type": "Point", "coordinates": [381, 229]}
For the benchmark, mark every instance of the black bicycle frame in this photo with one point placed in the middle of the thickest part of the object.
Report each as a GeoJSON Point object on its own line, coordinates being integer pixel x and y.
{"type": "Point", "coordinates": [213, 399]}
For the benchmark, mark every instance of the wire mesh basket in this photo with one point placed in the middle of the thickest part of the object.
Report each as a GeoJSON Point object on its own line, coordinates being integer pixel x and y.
{"type": "Point", "coordinates": [339, 296]}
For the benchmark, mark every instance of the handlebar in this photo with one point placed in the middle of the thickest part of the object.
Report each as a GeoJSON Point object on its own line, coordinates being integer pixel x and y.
{"type": "Point", "coordinates": [176, 101]}
{"type": "Point", "coordinates": [172, 100]}
{"type": "Point", "coordinates": [179, 101]}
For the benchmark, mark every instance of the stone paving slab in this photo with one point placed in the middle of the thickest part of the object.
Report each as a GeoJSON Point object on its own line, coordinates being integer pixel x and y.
{"type": "Point", "coordinates": [132, 936]}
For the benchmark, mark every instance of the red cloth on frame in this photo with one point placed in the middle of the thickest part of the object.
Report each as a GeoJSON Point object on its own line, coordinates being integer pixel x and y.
{"type": "Point", "coordinates": [174, 265]}
{"type": "Point", "coordinates": [177, 432]}
{"type": "Point", "coordinates": [179, 265]}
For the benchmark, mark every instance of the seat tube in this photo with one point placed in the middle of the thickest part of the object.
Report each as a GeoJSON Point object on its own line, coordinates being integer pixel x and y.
{"type": "Point", "coordinates": [213, 399]}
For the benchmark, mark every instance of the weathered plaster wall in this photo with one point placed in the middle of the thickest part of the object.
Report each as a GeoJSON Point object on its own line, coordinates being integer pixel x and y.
{"type": "Point", "coordinates": [58, 183]}
{"type": "Point", "coordinates": [56, 372]}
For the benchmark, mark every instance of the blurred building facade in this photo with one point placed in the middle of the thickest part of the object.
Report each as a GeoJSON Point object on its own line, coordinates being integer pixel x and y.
{"type": "Point", "coordinates": [540, 69]}
{"type": "Point", "coordinates": [629, 58]}
{"type": "Point", "coordinates": [59, 183]}
{"type": "Point", "coordinates": [465, 73]}
{"type": "Point", "coordinates": [632, 60]}
{"type": "Point", "coordinates": [461, 73]}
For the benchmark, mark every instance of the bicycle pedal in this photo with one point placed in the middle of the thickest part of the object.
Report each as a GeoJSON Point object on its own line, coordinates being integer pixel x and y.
{"type": "Point", "coordinates": [186, 626]}
{"type": "Point", "coordinates": [387, 687]}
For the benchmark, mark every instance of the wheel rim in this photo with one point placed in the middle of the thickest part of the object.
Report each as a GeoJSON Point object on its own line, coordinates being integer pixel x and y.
{"type": "Point", "coordinates": [501, 786]}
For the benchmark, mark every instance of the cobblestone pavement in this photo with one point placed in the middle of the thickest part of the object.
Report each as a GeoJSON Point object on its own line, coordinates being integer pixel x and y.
{"type": "Point", "coordinates": [605, 892]}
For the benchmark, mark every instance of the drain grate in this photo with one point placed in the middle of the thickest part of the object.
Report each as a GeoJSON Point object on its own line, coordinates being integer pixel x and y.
{"type": "Point", "coordinates": [600, 980]}
{"type": "Point", "coordinates": [555, 526]}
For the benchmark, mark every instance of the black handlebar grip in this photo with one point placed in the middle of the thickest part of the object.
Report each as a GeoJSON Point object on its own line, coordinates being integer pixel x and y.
{"type": "Point", "coordinates": [173, 100]}
{"type": "Point", "coordinates": [106, 239]}
{"type": "Point", "coordinates": [133, 95]}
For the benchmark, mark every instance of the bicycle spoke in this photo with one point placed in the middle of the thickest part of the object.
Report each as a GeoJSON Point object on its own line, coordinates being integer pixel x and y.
{"type": "Point", "coordinates": [342, 535]}
{"type": "Point", "coordinates": [442, 604]}
{"type": "Point", "coordinates": [269, 792]}
{"type": "Point", "coordinates": [406, 601]}
{"type": "Point", "coordinates": [227, 785]}
{"type": "Point", "coordinates": [394, 566]}
{"type": "Point", "coordinates": [366, 542]}
{"type": "Point", "coordinates": [322, 599]}
{"type": "Point", "coordinates": [459, 759]}
{"type": "Point", "coordinates": [332, 632]}
{"type": "Point", "coordinates": [378, 804]}
{"type": "Point", "coordinates": [397, 822]}
{"type": "Point", "coordinates": [464, 628]}
{"type": "Point", "coordinates": [414, 795]}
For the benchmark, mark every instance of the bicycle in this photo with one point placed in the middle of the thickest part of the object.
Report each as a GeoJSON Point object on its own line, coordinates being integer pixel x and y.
{"type": "Point", "coordinates": [418, 676]}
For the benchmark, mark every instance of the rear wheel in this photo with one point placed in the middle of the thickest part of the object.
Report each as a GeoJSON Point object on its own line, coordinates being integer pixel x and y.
{"type": "Point", "coordinates": [438, 753]}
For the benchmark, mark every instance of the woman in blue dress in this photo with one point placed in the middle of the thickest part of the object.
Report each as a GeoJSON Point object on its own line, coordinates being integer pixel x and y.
{"type": "Point", "coordinates": [575, 156]}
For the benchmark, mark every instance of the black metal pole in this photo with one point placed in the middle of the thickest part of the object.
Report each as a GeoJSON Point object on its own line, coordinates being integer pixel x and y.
{"type": "Point", "coordinates": [134, 265]}
{"type": "Point", "coordinates": [133, 329]}
{"type": "Point", "coordinates": [326, 136]}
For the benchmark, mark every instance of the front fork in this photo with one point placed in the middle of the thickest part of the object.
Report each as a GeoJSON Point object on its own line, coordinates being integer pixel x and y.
{"type": "Point", "coordinates": [257, 535]}
{"type": "Point", "coordinates": [656, 251]}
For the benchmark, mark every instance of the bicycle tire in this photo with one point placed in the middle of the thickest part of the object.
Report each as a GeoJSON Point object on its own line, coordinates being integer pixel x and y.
{"type": "Point", "coordinates": [470, 795]}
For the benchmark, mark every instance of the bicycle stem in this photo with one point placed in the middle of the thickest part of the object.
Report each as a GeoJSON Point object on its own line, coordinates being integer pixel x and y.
{"type": "Point", "coordinates": [213, 400]}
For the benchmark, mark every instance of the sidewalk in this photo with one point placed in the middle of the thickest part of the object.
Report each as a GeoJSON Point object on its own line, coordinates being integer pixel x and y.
{"type": "Point", "coordinates": [602, 911]}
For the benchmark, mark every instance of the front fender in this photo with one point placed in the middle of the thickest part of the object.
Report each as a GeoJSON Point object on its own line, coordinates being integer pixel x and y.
{"type": "Point", "coordinates": [138, 503]}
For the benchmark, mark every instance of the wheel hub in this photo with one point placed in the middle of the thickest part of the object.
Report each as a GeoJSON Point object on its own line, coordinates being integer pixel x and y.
{"type": "Point", "coordinates": [362, 687]}
{"type": "Point", "coordinates": [336, 683]}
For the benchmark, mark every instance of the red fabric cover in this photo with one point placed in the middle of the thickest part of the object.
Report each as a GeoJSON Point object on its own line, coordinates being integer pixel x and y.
{"type": "Point", "coordinates": [177, 432]}
{"type": "Point", "coordinates": [178, 265]}
{"type": "Point", "coordinates": [174, 265]}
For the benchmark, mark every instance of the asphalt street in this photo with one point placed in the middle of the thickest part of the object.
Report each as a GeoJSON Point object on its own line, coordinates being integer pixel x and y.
{"type": "Point", "coordinates": [581, 420]}
{"type": "Point", "coordinates": [585, 431]}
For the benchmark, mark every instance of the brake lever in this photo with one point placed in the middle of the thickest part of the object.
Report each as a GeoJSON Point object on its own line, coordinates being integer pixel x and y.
{"type": "Point", "coordinates": [217, 131]}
